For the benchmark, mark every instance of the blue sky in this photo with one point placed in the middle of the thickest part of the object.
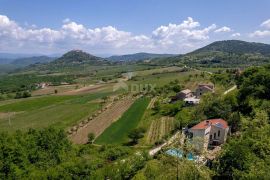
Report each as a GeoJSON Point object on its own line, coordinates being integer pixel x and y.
{"type": "Point", "coordinates": [127, 26]}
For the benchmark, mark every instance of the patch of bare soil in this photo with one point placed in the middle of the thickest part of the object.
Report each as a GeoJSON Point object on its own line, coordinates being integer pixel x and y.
{"type": "Point", "coordinates": [5, 115]}
{"type": "Point", "coordinates": [102, 121]}
{"type": "Point", "coordinates": [84, 90]}
{"type": "Point", "coordinates": [51, 90]}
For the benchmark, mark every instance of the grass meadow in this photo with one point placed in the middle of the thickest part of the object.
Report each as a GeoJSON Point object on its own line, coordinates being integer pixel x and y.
{"type": "Point", "coordinates": [117, 133]}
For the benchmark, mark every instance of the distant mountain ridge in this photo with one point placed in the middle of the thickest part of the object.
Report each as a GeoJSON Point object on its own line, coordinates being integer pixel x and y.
{"type": "Point", "coordinates": [229, 53]}
{"type": "Point", "coordinates": [138, 56]}
{"type": "Point", "coordinates": [5, 60]}
{"type": "Point", "coordinates": [22, 62]}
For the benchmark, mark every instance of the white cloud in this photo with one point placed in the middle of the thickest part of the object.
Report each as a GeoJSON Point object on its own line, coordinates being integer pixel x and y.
{"type": "Point", "coordinates": [223, 29]}
{"type": "Point", "coordinates": [266, 24]}
{"type": "Point", "coordinates": [185, 35]}
{"type": "Point", "coordinates": [260, 34]}
{"type": "Point", "coordinates": [67, 20]}
{"type": "Point", "coordinates": [236, 34]}
{"type": "Point", "coordinates": [171, 38]}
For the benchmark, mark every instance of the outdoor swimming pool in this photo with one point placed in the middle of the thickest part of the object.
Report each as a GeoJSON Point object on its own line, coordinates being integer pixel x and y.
{"type": "Point", "coordinates": [179, 153]}
{"type": "Point", "coordinates": [175, 152]}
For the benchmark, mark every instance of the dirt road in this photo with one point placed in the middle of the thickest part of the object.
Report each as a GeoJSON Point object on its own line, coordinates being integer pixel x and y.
{"type": "Point", "coordinates": [231, 89]}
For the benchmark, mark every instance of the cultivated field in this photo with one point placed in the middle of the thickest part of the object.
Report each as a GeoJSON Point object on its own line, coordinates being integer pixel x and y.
{"type": "Point", "coordinates": [39, 112]}
{"type": "Point", "coordinates": [152, 102]}
{"type": "Point", "coordinates": [117, 133]}
{"type": "Point", "coordinates": [102, 121]}
{"type": "Point", "coordinates": [159, 128]}
{"type": "Point", "coordinates": [88, 89]}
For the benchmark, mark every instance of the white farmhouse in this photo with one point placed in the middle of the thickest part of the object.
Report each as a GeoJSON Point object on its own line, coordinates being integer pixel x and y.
{"type": "Point", "coordinates": [212, 132]}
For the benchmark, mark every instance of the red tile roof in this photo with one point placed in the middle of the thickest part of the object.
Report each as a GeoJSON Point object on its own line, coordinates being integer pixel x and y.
{"type": "Point", "coordinates": [216, 122]}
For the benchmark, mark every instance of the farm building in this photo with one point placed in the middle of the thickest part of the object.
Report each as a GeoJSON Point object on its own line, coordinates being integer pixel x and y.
{"type": "Point", "coordinates": [204, 88]}
{"type": "Point", "coordinates": [212, 132]}
{"type": "Point", "coordinates": [182, 95]}
{"type": "Point", "coordinates": [192, 100]}
{"type": "Point", "coordinates": [42, 85]}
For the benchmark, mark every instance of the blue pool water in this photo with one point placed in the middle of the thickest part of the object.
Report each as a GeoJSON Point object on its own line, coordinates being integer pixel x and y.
{"type": "Point", "coordinates": [175, 152]}
{"type": "Point", "coordinates": [178, 153]}
{"type": "Point", "coordinates": [190, 157]}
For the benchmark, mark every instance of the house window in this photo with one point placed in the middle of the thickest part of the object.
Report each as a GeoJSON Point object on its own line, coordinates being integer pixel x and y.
{"type": "Point", "coordinates": [215, 135]}
{"type": "Point", "coordinates": [218, 133]}
{"type": "Point", "coordinates": [211, 137]}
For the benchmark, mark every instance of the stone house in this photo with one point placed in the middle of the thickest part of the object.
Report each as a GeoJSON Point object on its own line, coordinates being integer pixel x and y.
{"type": "Point", "coordinates": [204, 88]}
{"type": "Point", "coordinates": [212, 132]}
{"type": "Point", "coordinates": [182, 95]}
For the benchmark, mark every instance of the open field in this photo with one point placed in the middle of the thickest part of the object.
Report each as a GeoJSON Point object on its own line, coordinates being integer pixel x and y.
{"type": "Point", "coordinates": [50, 90]}
{"type": "Point", "coordinates": [165, 78]}
{"type": "Point", "coordinates": [118, 131]}
{"type": "Point", "coordinates": [157, 70]}
{"type": "Point", "coordinates": [38, 112]}
{"type": "Point", "coordinates": [109, 72]}
{"type": "Point", "coordinates": [102, 121]}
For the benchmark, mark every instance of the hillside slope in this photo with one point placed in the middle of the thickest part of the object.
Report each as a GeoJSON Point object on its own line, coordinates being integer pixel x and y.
{"type": "Point", "coordinates": [230, 53]}
{"type": "Point", "coordinates": [235, 46]}
{"type": "Point", "coordinates": [138, 56]}
{"type": "Point", "coordinates": [72, 60]}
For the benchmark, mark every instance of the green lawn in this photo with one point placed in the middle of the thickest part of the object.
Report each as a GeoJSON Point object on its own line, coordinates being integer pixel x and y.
{"type": "Point", "coordinates": [117, 133]}
{"type": "Point", "coordinates": [60, 111]}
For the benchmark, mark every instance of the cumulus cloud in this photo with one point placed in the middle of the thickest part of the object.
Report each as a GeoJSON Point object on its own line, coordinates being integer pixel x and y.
{"type": "Point", "coordinates": [236, 34]}
{"type": "Point", "coordinates": [172, 38]}
{"type": "Point", "coordinates": [266, 24]}
{"type": "Point", "coordinates": [223, 29]}
{"type": "Point", "coordinates": [260, 34]}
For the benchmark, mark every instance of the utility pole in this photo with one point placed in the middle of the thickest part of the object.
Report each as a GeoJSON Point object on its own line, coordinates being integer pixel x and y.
{"type": "Point", "coordinates": [177, 166]}
{"type": "Point", "coordinates": [9, 121]}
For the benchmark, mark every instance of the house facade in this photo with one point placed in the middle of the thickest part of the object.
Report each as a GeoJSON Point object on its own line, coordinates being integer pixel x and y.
{"type": "Point", "coordinates": [204, 88]}
{"type": "Point", "coordinates": [210, 132]}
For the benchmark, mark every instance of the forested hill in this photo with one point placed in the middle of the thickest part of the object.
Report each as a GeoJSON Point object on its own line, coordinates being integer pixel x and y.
{"type": "Point", "coordinates": [236, 47]}
{"type": "Point", "coordinates": [230, 53]}
{"type": "Point", "coordinates": [73, 60]}
{"type": "Point", "coordinates": [78, 57]}
{"type": "Point", "coordinates": [138, 56]}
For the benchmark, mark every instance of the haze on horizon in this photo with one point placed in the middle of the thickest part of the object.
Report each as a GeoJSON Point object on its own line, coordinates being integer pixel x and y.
{"type": "Point", "coordinates": [125, 27]}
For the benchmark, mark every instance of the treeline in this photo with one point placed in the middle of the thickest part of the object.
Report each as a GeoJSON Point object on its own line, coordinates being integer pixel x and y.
{"type": "Point", "coordinates": [48, 154]}
{"type": "Point", "coordinates": [28, 82]}
{"type": "Point", "coordinates": [247, 153]}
